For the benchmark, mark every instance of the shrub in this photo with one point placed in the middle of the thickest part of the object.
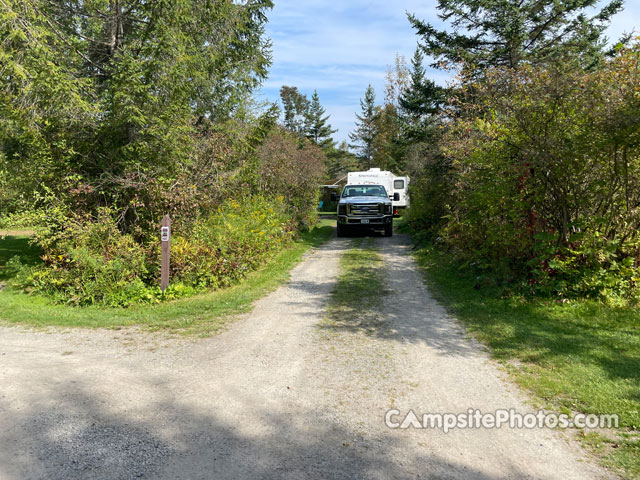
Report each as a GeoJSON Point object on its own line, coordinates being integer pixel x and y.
{"type": "Point", "coordinates": [294, 171]}
{"type": "Point", "coordinates": [545, 187]}
{"type": "Point", "coordinates": [236, 239]}
{"type": "Point", "coordinates": [89, 261]}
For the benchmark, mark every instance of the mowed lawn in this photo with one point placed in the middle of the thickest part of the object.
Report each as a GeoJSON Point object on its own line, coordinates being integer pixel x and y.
{"type": "Point", "coordinates": [201, 315]}
{"type": "Point", "coordinates": [580, 356]}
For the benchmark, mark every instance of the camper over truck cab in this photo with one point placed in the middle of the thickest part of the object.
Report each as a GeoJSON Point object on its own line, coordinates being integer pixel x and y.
{"type": "Point", "coordinates": [392, 184]}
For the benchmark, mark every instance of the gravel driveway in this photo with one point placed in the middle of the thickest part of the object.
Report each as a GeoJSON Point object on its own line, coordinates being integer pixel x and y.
{"type": "Point", "coordinates": [278, 395]}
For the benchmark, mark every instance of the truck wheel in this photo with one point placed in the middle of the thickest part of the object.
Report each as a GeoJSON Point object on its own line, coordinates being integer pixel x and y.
{"type": "Point", "coordinates": [388, 230]}
{"type": "Point", "coordinates": [341, 230]}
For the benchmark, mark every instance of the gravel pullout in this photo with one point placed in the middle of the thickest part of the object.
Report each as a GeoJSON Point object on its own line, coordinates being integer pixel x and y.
{"type": "Point", "coordinates": [281, 394]}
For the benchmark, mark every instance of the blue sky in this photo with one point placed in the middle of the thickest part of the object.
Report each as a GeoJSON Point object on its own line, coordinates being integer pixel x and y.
{"type": "Point", "coordinates": [339, 48]}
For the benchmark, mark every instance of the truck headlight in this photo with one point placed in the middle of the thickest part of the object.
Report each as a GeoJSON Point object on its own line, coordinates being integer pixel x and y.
{"type": "Point", "coordinates": [342, 209]}
{"type": "Point", "coordinates": [387, 209]}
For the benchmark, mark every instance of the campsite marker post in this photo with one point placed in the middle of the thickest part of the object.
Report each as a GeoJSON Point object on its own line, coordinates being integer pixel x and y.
{"type": "Point", "coordinates": [165, 239]}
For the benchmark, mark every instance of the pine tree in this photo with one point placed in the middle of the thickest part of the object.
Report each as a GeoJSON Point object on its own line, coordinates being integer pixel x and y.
{"type": "Point", "coordinates": [319, 131]}
{"type": "Point", "coordinates": [364, 134]}
{"type": "Point", "coordinates": [511, 31]}
{"type": "Point", "coordinates": [296, 110]}
{"type": "Point", "coordinates": [420, 102]}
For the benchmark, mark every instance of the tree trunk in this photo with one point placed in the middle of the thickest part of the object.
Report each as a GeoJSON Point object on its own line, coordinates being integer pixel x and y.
{"type": "Point", "coordinates": [116, 31]}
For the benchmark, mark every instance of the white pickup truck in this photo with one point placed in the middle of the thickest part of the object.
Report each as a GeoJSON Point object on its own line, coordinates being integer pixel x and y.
{"type": "Point", "coordinates": [364, 207]}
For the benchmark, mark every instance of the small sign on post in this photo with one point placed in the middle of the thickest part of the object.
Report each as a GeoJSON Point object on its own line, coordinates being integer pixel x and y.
{"type": "Point", "coordinates": [165, 239]}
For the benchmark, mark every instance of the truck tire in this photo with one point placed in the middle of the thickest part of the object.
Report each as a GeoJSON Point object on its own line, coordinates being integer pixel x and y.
{"type": "Point", "coordinates": [388, 230]}
{"type": "Point", "coordinates": [342, 230]}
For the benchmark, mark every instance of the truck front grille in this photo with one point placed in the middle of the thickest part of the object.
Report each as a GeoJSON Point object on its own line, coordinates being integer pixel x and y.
{"type": "Point", "coordinates": [366, 209]}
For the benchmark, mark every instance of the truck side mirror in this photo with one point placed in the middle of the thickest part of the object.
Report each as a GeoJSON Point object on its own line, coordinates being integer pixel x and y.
{"type": "Point", "coordinates": [396, 197]}
{"type": "Point", "coordinates": [334, 197]}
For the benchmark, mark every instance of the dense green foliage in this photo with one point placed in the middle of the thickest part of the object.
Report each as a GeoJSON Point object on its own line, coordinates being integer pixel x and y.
{"type": "Point", "coordinates": [114, 113]}
{"type": "Point", "coordinates": [535, 178]}
{"type": "Point", "coordinates": [116, 94]}
{"type": "Point", "coordinates": [527, 167]}
{"type": "Point", "coordinates": [201, 314]}
{"type": "Point", "coordinates": [90, 261]}
{"type": "Point", "coordinates": [547, 164]}
{"type": "Point", "coordinates": [292, 172]}
{"type": "Point", "coordinates": [431, 188]}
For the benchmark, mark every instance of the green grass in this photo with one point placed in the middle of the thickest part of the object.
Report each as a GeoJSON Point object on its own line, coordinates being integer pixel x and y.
{"type": "Point", "coordinates": [580, 356]}
{"type": "Point", "coordinates": [357, 295]}
{"type": "Point", "coordinates": [201, 315]}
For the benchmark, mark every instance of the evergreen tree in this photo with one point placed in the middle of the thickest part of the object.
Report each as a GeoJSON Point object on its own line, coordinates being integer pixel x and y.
{"type": "Point", "coordinates": [115, 92]}
{"type": "Point", "coordinates": [296, 110]}
{"type": "Point", "coordinates": [319, 131]}
{"type": "Point", "coordinates": [364, 134]}
{"type": "Point", "coordinates": [507, 32]}
{"type": "Point", "coordinates": [419, 102]}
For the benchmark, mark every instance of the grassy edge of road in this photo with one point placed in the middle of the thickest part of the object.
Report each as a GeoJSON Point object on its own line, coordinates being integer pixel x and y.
{"type": "Point", "coordinates": [201, 315]}
{"type": "Point", "coordinates": [578, 357]}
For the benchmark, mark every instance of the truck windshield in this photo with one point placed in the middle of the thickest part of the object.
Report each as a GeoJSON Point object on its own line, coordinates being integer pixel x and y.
{"type": "Point", "coordinates": [364, 191]}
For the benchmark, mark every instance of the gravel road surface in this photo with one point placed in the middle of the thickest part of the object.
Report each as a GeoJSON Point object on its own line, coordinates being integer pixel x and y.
{"type": "Point", "coordinates": [279, 395]}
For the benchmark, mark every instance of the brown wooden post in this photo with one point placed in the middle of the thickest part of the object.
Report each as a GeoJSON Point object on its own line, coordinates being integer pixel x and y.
{"type": "Point", "coordinates": [165, 239]}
